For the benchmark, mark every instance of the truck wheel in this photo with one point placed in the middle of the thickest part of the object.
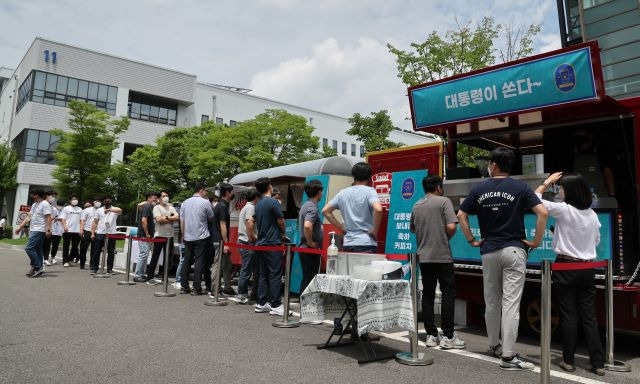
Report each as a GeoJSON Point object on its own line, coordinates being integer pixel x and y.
{"type": "Point", "coordinates": [531, 317]}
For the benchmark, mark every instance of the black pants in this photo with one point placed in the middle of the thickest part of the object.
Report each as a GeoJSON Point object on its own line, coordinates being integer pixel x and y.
{"type": "Point", "coordinates": [155, 255]}
{"type": "Point", "coordinates": [255, 278]}
{"type": "Point", "coordinates": [310, 265]}
{"type": "Point", "coordinates": [84, 246]}
{"type": "Point", "coordinates": [575, 293]}
{"type": "Point", "coordinates": [96, 250]}
{"type": "Point", "coordinates": [50, 245]}
{"type": "Point", "coordinates": [72, 240]}
{"type": "Point", "coordinates": [443, 273]}
{"type": "Point", "coordinates": [195, 252]}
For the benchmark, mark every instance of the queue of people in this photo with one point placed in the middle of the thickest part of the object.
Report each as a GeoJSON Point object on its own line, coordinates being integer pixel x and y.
{"type": "Point", "coordinates": [499, 203]}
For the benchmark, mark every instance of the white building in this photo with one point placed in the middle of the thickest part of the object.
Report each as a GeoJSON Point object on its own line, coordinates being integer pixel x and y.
{"type": "Point", "coordinates": [33, 100]}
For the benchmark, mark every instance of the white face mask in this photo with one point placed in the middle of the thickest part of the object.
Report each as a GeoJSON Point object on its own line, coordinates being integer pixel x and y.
{"type": "Point", "coordinates": [74, 202]}
{"type": "Point", "coordinates": [97, 204]}
{"type": "Point", "coordinates": [51, 200]}
{"type": "Point", "coordinates": [165, 200]}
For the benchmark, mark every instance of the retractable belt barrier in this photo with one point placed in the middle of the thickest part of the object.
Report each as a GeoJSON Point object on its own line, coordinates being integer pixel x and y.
{"type": "Point", "coordinates": [150, 240]}
{"type": "Point", "coordinates": [117, 237]}
{"type": "Point", "coordinates": [579, 265]}
{"type": "Point", "coordinates": [276, 248]}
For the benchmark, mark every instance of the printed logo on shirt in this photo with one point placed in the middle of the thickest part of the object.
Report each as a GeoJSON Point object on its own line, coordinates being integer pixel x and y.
{"type": "Point", "coordinates": [504, 199]}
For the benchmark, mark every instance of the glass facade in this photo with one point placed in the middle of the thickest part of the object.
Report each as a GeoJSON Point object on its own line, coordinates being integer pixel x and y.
{"type": "Point", "coordinates": [35, 146]}
{"type": "Point", "coordinates": [141, 108]}
{"type": "Point", "coordinates": [353, 149]}
{"type": "Point", "coordinates": [52, 89]}
{"type": "Point", "coordinates": [344, 148]}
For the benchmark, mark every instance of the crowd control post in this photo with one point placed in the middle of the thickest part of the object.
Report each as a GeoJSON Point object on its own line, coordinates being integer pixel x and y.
{"type": "Point", "coordinates": [103, 260]}
{"type": "Point", "coordinates": [165, 267]}
{"type": "Point", "coordinates": [610, 363]}
{"type": "Point", "coordinates": [215, 302]}
{"type": "Point", "coordinates": [285, 322]}
{"type": "Point", "coordinates": [414, 357]}
{"type": "Point", "coordinates": [128, 266]}
{"type": "Point", "coordinates": [545, 329]}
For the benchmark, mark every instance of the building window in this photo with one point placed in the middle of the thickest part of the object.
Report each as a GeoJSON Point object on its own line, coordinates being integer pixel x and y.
{"type": "Point", "coordinates": [232, 123]}
{"type": "Point", "coordinates": [143, 108]}
{"type": "Point", "coordinates": [325, 143]}
{"type": "Point", "coordinates": [204, 119]}
{"type": "Point", "coordinates": [52, 89]}
{"type": "Point", "coordinates": [35, 146]}
{"type": "Point", "coordinates": [219, 120]}
{"type": "Point", "coordinates": [362, 151]}
{"type": "Point", "coordinates": [344, 148]}
{"type": "Point", "coordinates": [353, 149]}
{"type": "Point", "coordinates": [128, 150]}
{"type": "Point", "coordinates": [334, 144]}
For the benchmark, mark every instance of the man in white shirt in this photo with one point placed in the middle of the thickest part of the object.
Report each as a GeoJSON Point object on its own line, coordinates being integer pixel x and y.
{"type": "Point", "coordinates": [104, 223]}
{"type": "Point", "coordinates": [40, 219]}
{"type": "Point", "coordinates": [3, 223]}
{"type": "Point", "coordinates": [164, 215]}
{"type": "Point", "coordinates": [86, 222]}
{"type": "Point", "coordinates": [70, 219]}
{"type": "Point", "coordinates": [51, 244]}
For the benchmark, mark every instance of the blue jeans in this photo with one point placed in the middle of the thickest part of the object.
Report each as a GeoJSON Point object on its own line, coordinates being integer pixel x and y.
{"type": "Point", "coordinates": [141, 265]}
{"type": "Point", "coordinates": [179, 269]}
{"type": "Point", "coordinates": [360, 248]}
{"type": "Point", "coordinates": [34, 249]}
{"type": "Point", "coordinates": [246, 270]}
{"type": "Point", "coordinates": [270, 277]}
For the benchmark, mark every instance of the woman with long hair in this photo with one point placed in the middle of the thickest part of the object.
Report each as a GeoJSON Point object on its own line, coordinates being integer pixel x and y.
{"type": "Point", "coordinates": [576, 235]}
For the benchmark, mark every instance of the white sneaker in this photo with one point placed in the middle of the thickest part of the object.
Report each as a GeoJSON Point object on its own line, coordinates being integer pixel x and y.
{"type": "Point", "coordinates": [279, 311]}
{"type": "Point", "coordinates": [452, 343]}
{"type": "Point", "coordinates": [54, 261]}
{"type": "Point", "coordinates": [516, 364]}
{"type": "Point", "coordinates": [66, 265]}
{"type": "Point", "coordinates": [176, 286]}
{"type": "Point", "coordinates": [263, 308]}
{"type": "Point", "coordinates": [46, 262]}
{"type": "Point", "coordinates": [432, 341]}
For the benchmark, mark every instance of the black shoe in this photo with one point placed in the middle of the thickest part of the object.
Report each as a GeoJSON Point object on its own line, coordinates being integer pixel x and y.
{"type": "Point", "coordinates": [38, 272]}
{"type": "Point", "coordinates": [93, 272]}
{"type": "Point", "coordinates": [139, 279]}
{"type": "Point", "coordinates": [197, 292]}
{"type": "Point", "coordinates": [31, 272]}
{"type": "Point", "coordinates": [567, 367]}
{"type": "Point", "coordinates": [229, 291]}
{"type": "Point", "coordinates": [82, 267]}
{"type": "Point", "coordinates": [185, 291]}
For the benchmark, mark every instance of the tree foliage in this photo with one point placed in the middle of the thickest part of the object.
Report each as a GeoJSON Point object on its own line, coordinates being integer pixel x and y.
{"type": "Point", "coordinates": [84, 150]}
{"type": "Point", "coordinates": [373, 131]}
{"type": "Point", "coordinates": [8, 170]}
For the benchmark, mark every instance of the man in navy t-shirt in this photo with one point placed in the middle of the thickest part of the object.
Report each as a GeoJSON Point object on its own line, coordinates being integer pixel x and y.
{"type": "Point", "coordinates": [499, 203]}
{"type": "Point", "coordinates": [271, 231]}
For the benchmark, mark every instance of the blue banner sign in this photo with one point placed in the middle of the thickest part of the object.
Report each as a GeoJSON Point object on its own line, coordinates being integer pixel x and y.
{"type": "Point", "coordinates": [553, 80]}
{"type": "Point", "coordinates": [463, 252]}
{"type": "Point", "coordinates": [406, 190]}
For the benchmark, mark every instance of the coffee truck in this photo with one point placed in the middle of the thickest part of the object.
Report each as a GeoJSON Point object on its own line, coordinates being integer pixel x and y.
{"type": "Point", "coordinates": [552, 111]}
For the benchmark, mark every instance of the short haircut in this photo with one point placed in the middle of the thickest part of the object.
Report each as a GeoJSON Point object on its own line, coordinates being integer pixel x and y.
{"type": "Point", "coordinates": [165, 192]}
{"type": "Point", "coordinates": [37, 192]}
{"type": "Point", "coordinates": [361, 171]}
{"type": "Point", "coordinates": [576, 191]}
{"type": "Point", "coordinates": [224, 188]}
{"type": "Point", "coordinates": [253, 194]}
{"type": "Point", "coordinates": [262, 185]}
{"type": "Point", "coordinates": [431, 183]}
{"type": "Point", "coordinates": [312, 188]}
{"type": "Point", "coordinates": [107, 196]}
{"type": "Point", "coordinates": [199, 187]}
{"type": "Point", "coordinates": [150, 194]}
{"type": "Point", "coordinates": [73, 197]}
{"type": "Point", "coordinates": [50, 192]}
{"type": "Point", "coordinates": [503, 157]}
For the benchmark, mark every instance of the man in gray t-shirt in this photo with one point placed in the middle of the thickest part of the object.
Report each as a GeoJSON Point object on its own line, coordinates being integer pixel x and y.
{"type": "Point", "coordinates": [434, 223]}
{"type": "Point", "coordinates": [310, 232]}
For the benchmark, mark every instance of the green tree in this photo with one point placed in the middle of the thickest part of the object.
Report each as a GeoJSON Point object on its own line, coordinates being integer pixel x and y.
{"type": "Point", "coordinates": [328, 151]}
{"type": "Point", "coordinates": [460, 51]}
{"type": "Point", "coordinates": [8, 171]}
{"type": "Point", "coordinates": [373, 131]}
{"type": "Point", "coordinates": [84, 151]}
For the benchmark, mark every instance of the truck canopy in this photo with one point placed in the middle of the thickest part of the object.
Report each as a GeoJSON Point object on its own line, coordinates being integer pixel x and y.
{"type": "Point", "coordinates": [330, 166]}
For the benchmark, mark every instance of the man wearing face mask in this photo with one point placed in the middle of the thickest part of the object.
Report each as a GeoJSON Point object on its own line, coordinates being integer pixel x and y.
{"type": "Point", "coordinates": [70, 217]}
{"type": "Point", "coordinates": [86, 222]}
{"type": "Point", "coordinates": [51, 244]}
{"type": "Point", "coordinates": [146, 229]}
{"type": "Point", "coordinates": [104, 223]}
{"type": "Point", "coordinates": [220, 229]}
{"type": "Point", "coordinates": [165, 215]}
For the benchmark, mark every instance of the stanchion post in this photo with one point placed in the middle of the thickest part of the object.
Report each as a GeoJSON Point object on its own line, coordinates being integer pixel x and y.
{"type": "Point", "coordinates": [611, 364]}
{"type": "Point", "coordinates": [545, 329]}
{"type": "Point", "coordinates": [128, 266]}
{"type": "Point", "coordinates": [103, 258]}
{"type": "Point", "coordinates": [414, 357]}
{"type": "Point", "coordinates": [285, 322]}
{"type": "Point", "coordinates": [165, 267]}
{"type": "Point", "coordinates": [215, 302]}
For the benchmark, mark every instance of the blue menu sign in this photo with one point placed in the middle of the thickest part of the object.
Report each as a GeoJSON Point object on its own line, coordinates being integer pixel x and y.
{"type": "Point", "coordinates": [406, 190]}
{"type": "Point", "coordinates": [566, 77]}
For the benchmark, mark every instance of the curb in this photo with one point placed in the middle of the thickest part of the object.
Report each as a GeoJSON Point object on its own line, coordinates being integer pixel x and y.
{"type": "Point", "coordinates": [11, 247]}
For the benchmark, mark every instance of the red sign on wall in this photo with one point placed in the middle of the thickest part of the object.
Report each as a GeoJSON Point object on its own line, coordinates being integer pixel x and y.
{"type": "Point", "coordinates": [381, 182]}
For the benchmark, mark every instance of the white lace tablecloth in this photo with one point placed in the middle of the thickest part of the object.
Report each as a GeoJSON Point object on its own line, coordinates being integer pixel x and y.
{"type": "Point", "coordinates": [381, 304]}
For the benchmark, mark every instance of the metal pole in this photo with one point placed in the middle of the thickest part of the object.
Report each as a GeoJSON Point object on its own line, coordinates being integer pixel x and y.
{"type": "Point", "coordinates": [414, 357]}
{"type": "Point", "coordinates": [104, 258]}
{"type": "Point", "coordinates": [610, 363]}
{"type": "Point", "coordinates": [128, 266]}
{"type": "Point", "coordinates": [215, 302]}
{"type": "Point", "coordinates": [285, 322]}
{"type": "Point", "coordinates": [165, 266]}
{"type": "Point", "coordinates": [545, 329]}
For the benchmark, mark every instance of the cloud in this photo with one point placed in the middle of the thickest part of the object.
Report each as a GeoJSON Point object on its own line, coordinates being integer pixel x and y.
{"type": "Point", "coordinates": [549, 42]}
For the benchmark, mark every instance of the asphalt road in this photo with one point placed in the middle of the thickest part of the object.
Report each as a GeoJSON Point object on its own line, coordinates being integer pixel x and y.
{"type": "Point", "coordinates": [67, 327]}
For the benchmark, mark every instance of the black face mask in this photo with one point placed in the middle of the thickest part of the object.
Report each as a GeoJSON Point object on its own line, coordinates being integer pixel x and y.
{"type": "Point", "coordinates": [107, 204]}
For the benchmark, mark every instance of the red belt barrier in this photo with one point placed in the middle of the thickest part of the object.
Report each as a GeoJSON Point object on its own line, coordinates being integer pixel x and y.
{"type": "Point", "coordinates": [256, 247]}
{"type": "Point", "coordinates": [578, 265]}
{"type": "Point", "coordinates": [149, 240]}
{"type": "Point", "coordinates": [119, 237]}
{"type": "Point", "coordinates": [309, 250]}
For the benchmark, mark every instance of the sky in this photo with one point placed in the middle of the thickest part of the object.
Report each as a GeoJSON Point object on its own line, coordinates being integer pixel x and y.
{"type": "Point", "coordinates": [326, 55]}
